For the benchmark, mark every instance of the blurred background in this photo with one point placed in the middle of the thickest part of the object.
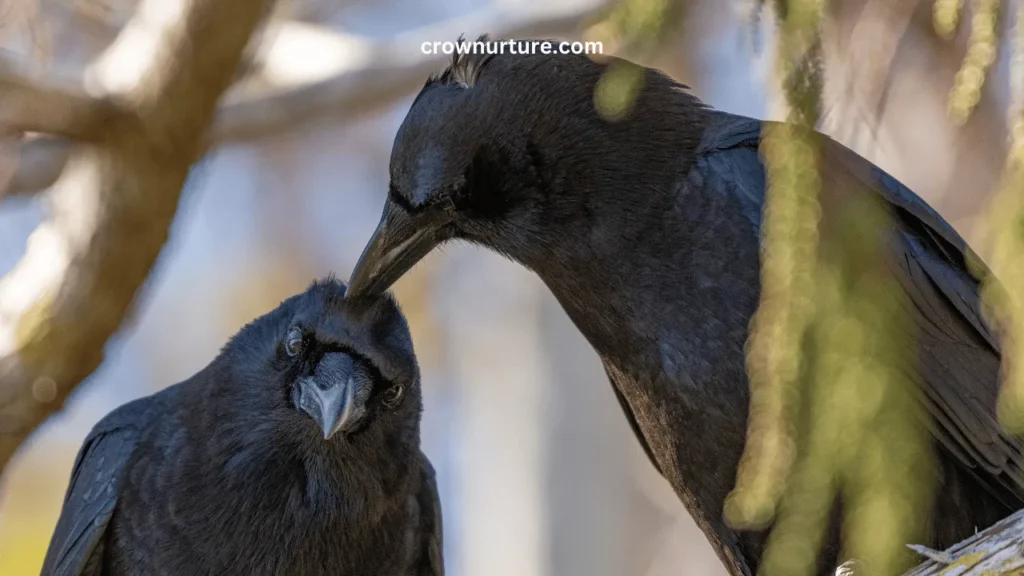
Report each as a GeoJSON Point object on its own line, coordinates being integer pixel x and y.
{"type": "Point", "coordinates": [538, 471]}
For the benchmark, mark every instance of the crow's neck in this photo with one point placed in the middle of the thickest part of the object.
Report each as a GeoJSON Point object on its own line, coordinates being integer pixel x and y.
{"type": "Point", "coordinates": [665, 296]}
{"type": "Point", "coordinates": [654, 262]}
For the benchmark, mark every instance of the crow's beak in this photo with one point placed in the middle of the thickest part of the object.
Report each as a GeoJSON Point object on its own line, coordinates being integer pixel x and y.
{"type": "Point", "coordinates": [399, 242]}
{"type": "Point", "coordinates": [332, 396]}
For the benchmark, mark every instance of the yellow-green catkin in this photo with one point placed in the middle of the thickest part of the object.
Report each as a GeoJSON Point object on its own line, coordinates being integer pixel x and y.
{"type": "Point", "coordinates": [946, 17]}
{"type": "Point", "coordinates": [790, 237]}
{"type": "Point", "coordinates": [834, 410]}
{"type": "Point", "coordinates": [639, 26]}
{"type": "Point", "coordinates": [982, 49]}
{"type": "Point", "coordinates": [884, 458]}
{"type": "Point", "coordinates": [1004, 291]}
{"type": "Point", "coordinates": [863, 436]}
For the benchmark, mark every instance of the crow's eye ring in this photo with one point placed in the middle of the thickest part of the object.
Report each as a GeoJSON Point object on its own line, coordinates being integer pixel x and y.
{"type": "Point", "coordinates": [293, 342]}
{"type": "Point", "coordinates": [393, 395]}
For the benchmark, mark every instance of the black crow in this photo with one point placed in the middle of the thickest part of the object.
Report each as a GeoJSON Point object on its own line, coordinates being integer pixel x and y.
{"type": "Point", "coordinates": [296, 451]}
{"type": "Point", "coordinates": [647, 231]}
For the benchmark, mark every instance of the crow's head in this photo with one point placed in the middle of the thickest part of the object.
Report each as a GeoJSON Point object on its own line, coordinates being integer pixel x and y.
{"type": "Point", "coordinates": [509, 151]}
{"type": "Point", "coordinates": [321, 365]}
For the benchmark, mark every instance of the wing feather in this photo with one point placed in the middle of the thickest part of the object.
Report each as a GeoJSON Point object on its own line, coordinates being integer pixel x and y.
{"type": "Point", "coordinates": [432, 561]}
{"type": "Point", "coordinates": [957, 350]}
{"type": "Point", "coordinates": [92, 494]}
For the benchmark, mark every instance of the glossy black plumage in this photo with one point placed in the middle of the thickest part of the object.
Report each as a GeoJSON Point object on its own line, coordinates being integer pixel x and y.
{"type": "Point", "coordinates": [647, 232]}
{"type": "Point", "coordinates": [225, 473]}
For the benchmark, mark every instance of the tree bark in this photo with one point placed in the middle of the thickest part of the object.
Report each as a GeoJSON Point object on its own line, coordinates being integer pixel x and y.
{"type": "Point", "coordinates": [27, 106]}
{"type": "Point", "coordinates": [997, 551]}
{"type": "Point", "coordinates": [114, 204]}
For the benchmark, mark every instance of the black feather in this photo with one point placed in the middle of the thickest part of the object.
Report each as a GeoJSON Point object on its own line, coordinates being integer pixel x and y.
{"type": "Point", "coordinates": [224, 474]}
{"type": "Point", "coordinates": [647, 230]}
{"type": "Point", "coordinates": [465, 66]}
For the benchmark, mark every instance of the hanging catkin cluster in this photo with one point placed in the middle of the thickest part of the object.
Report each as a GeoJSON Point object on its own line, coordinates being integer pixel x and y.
{"type": "Point", "coordinates": [832, 408]}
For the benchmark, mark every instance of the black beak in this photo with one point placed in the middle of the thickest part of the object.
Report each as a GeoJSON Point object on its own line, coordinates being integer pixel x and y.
{"type": "Point", "coordinates": [401, 240]}
{"type": "Point", "coordinates": [333, 395]}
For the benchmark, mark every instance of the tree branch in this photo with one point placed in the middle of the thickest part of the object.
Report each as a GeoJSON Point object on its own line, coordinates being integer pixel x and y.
{"type": "Point", "coordinates": [342, 90]}
{"type": "Point", "coordinates": [867, 50]}
{"type": "Point", "coordinates": [113, 205]}
{"type": "Point", "coordinates": [27, 106]}
{"type": "Point", "coordinates": [40, 161]}
{"type": "Point", "coordinates": [997, 551]}
{"type": "Point", "coordinates": [882, 111]}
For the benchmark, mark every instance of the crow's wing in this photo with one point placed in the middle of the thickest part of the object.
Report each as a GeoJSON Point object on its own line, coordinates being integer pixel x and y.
{"type": "Point", "coordinates": [958, 353]}
{"type": "Point", "coordinates": [77, 543]}
{"type": "Point", "coordinates": [431, 562]}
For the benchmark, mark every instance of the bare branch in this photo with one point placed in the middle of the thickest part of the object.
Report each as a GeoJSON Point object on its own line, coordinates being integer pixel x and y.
{"type": "Point", "coordinates": [113, 206]}
{"type": "Point", "coordinates": [393, 68]}
{"type": "Point", "coordinates": [28, 106]}
{"type": "Point", "coordinates": [40, 162]}
{"type": "Point", "coordinates": [870, 48]}
{"type": "Point", "coordinates": [996, 551]}
{"type": "Point", "coordinates": [882, 111]}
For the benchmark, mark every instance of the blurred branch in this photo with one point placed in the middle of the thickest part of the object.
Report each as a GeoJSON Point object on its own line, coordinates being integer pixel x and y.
{"type": "Point", "coordinates": [28, 106]}
{"type": "Point", "coordinates": [869, 56]}
{"type": "Point", "coordinates": [40, 161]}
{"type": "Point", "coordinates": [345, 88]}
{"type": "Point", "coordinates": [113, 205]}
{"type": "Point", "coordinates": [994, 552]}
{"type": "Point", "coordinates": [393, 68]}
{"type": "Point", "coordinates": [885, 111]}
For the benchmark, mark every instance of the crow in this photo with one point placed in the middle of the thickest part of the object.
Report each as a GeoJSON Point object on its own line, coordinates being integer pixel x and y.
{"type": "Point", "coordinates": [647, 230]}
{"type": "Point", "coordinates": [295, 451]}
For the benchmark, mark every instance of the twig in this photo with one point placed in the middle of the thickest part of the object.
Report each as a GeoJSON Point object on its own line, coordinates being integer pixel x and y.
{"type": "Point", "coordinates": [396, 68]}
{"type": "Point", "coordinates": [997, 551]}
{"type": "Point", "coordinates": [28, 106]}
{"type": "Point", "coordinates": [113, 207]}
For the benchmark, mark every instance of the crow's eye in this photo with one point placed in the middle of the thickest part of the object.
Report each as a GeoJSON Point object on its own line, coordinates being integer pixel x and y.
{"type": "Point", "coordinates": [393, 395]}
{"type": "Point", "coordinates": [293, 342]}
